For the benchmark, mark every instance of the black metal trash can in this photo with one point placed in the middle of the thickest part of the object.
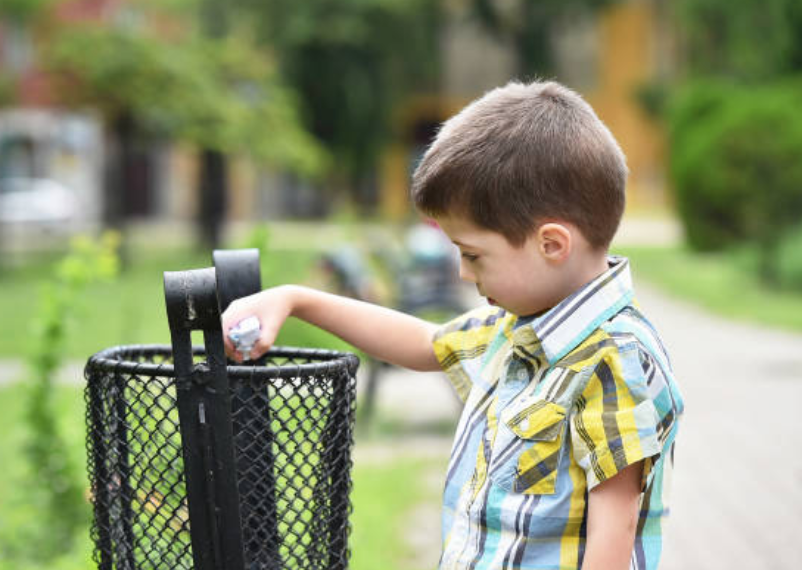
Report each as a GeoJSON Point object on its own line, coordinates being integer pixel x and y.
{"type": "Point", "coordinates": [198, 464]}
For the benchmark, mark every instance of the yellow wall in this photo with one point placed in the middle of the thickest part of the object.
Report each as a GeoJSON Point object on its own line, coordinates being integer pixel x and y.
{"type": "Point", "coordinates": [394, 168]}
{"type": "Point", "coordinates": [627, 47]}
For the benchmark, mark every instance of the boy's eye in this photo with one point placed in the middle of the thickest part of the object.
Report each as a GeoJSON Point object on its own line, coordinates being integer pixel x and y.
{"type": "Point", "coordinates": [469, 256]}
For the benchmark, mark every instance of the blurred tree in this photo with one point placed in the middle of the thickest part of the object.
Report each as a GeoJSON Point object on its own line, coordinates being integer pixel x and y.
{"type": "Point", "coordinates": [21, 11]}
{"type": "Point", "coordinates": [528, 26]}
{"type": "Point", "coordinates": [218, 93]}
{"type": "Point", "coordinates": [733, 124]}
{"type": "Point", "coordinates": [213, 187]}
{"type": "Point", "coordinates": [351, 61]}
{"type": "Point", "coordinates": [735, 165]}
{"type": "Point", "coordinates": [749, 40]}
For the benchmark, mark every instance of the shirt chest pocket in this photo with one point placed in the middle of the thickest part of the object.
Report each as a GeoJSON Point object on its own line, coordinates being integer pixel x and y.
{"type": "Point", "coordinates": [531, 448]}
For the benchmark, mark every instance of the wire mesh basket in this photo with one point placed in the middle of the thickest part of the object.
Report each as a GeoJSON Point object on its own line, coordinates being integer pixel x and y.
{"type": "Point", "coordinates": [196, 463]}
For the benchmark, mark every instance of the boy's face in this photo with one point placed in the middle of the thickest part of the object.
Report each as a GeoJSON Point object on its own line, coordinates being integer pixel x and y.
{"type": "Point", "coordinates": [519, 279]}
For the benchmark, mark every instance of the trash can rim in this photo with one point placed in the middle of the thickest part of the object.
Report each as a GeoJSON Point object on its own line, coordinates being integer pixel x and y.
{"type": "Point", "coordinates": [328, 359]}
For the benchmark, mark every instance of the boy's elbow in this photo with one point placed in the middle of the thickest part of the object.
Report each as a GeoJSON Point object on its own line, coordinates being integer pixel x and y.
{"type": "Point", "coordinates": [425, 359]}
{"type": "Point", "coordinates": [426, 364]}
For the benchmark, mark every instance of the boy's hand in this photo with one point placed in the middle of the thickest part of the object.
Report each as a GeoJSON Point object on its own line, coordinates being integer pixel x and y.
{"type": "Point", "coordinates": [271, 307]}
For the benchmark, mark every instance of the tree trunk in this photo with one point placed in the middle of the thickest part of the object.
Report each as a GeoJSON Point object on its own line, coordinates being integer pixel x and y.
{"type": "Point", "coordinates": [117, 181]}
{"type": "Point", "coordinates": [213, 190]}
{"type": "Point", "coordinates": [532, 41]}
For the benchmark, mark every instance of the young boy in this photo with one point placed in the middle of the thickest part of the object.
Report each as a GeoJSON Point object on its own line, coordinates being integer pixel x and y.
{"type": "Point", "coordinates": [563, 453]}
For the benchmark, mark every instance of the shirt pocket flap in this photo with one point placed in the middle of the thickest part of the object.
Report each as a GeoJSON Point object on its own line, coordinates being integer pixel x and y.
{"type": "Point", "coordinates": [536, 421]}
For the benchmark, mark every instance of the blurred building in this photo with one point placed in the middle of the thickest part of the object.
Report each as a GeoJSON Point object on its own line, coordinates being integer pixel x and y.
{"type": "Point", "coordinates": [50, 159]}
{"type": "Point", "coordinates": [610, 58]}
{"type": "Point", "coordinates": [53, 165]}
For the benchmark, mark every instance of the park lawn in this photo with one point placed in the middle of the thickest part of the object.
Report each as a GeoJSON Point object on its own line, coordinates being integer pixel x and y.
{"type": "Point", "coordinates": [723, 283]}
{"type": "Point", "coordinates": [383, 494]}
{"type": "Point", "coordinates": [384, 497]}
{"type": "Point", "coordinates": [131, 309]}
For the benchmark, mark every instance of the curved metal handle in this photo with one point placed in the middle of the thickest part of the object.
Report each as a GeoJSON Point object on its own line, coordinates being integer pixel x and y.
{"type": "Point", "coordinates": [191, 299]}
{"type": "Point", "coordinates": [238, 274]}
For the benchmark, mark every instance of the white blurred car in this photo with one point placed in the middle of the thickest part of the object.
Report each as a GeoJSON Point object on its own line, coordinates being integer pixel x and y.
{"type": "Point", "coordinates": [36, 200]}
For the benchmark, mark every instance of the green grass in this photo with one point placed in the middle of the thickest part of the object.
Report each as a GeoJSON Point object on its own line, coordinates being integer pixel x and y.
{"type": "Point", "coordinates": [724, 283]}
{"type": "Point", "coordinates": [131, 310]}
{"type": "Point", "coordinates": [17, 508]}
{"type": "Point", "coordinates": [383, 497]}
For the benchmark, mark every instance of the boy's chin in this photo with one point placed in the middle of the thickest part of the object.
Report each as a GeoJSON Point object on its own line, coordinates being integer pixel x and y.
{"type": "Point", "coordinates": [527, 312]}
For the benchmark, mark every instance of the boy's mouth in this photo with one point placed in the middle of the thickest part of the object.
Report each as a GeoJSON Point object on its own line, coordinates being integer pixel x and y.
{"type": "Point", "coordinates": [491, 301]}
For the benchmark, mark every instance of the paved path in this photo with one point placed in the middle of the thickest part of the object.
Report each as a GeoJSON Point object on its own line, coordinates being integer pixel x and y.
{"type": "Point", "coordinates": [738, 482]}
{"type": "Point", "coordinates": [737, 494]}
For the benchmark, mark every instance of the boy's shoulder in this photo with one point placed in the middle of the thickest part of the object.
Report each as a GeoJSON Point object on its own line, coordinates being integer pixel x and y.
{"type": "Point", "coordinates": [626, 338]}
{"type": "Point", "coordinates": [464, 345]}
{"type": "Point", "coordinates": [469, 335]}
{"type": "Point", "coordinates": [486, 318]}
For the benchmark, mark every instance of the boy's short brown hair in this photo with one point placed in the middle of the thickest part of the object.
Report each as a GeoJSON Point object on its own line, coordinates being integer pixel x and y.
{"type": "Point", "coordinates": [521, 155]}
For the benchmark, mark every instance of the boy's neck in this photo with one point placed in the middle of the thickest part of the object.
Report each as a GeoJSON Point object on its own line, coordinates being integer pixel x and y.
{"type": "Point", "coordinates": [596, 265]}
{"type": "Point", "coordinates": [583, 269]}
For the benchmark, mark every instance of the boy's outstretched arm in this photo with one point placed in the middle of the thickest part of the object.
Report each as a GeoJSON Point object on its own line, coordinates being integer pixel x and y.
{"type": "Point", "coordinates": [613, 520]}
{"type": "Point", "coordinates": [383, 333]}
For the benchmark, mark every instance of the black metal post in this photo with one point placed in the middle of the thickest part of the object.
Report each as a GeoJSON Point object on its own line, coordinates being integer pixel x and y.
{"type": "Point", "coordinates": [238, 275]}
{"type": "Point", "coordinates": [204, 412]}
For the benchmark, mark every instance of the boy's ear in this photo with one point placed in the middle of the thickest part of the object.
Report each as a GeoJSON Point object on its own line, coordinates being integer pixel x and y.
{"type": "Point", "coordinates": [554, 241]}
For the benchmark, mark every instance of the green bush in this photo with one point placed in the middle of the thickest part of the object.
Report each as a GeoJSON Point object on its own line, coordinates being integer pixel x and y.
{"type": "Point", "coordinates": [789, 259]}
{"type": "Point", "coordinates": [735, 164]}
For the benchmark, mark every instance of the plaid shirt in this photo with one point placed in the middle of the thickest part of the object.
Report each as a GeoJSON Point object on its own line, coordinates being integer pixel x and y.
{"type": "Point", "coordinates": [554, 405]}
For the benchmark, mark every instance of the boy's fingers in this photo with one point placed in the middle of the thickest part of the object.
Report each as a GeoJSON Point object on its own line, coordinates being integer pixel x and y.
{"type": "Point", "coordinates": [261, 346]}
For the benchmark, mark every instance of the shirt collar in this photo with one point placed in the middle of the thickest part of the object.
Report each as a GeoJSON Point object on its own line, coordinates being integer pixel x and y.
{"type": "Point", "coordinates": [562, 328]}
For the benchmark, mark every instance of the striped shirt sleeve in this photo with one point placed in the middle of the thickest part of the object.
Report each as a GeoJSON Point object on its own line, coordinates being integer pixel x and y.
{"type": "Point", "coordinates": [460, 345]}
{"type": "Point", "coordinates": [614, 423]}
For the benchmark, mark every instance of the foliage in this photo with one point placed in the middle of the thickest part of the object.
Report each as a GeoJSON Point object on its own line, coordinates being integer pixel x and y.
{"type": "Point", "coordinates": [351, 61]}
{"type": "Point", "coordinates": [217, 93]}
{"type": "Point", "coordinates": [258, 238]}
{"type": "Point", "coordinates": [23, 10]}
{"type": "Point", "coordinates": [747, 40]}
{"type": "Point", "coordinates": [21, 519]}
{"type": "Point", "coordinates": [789, 259]}
{"type": "Point", "coordinates": [735, 165]}
{"type": "Point", "coordinates": [57, 496]}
